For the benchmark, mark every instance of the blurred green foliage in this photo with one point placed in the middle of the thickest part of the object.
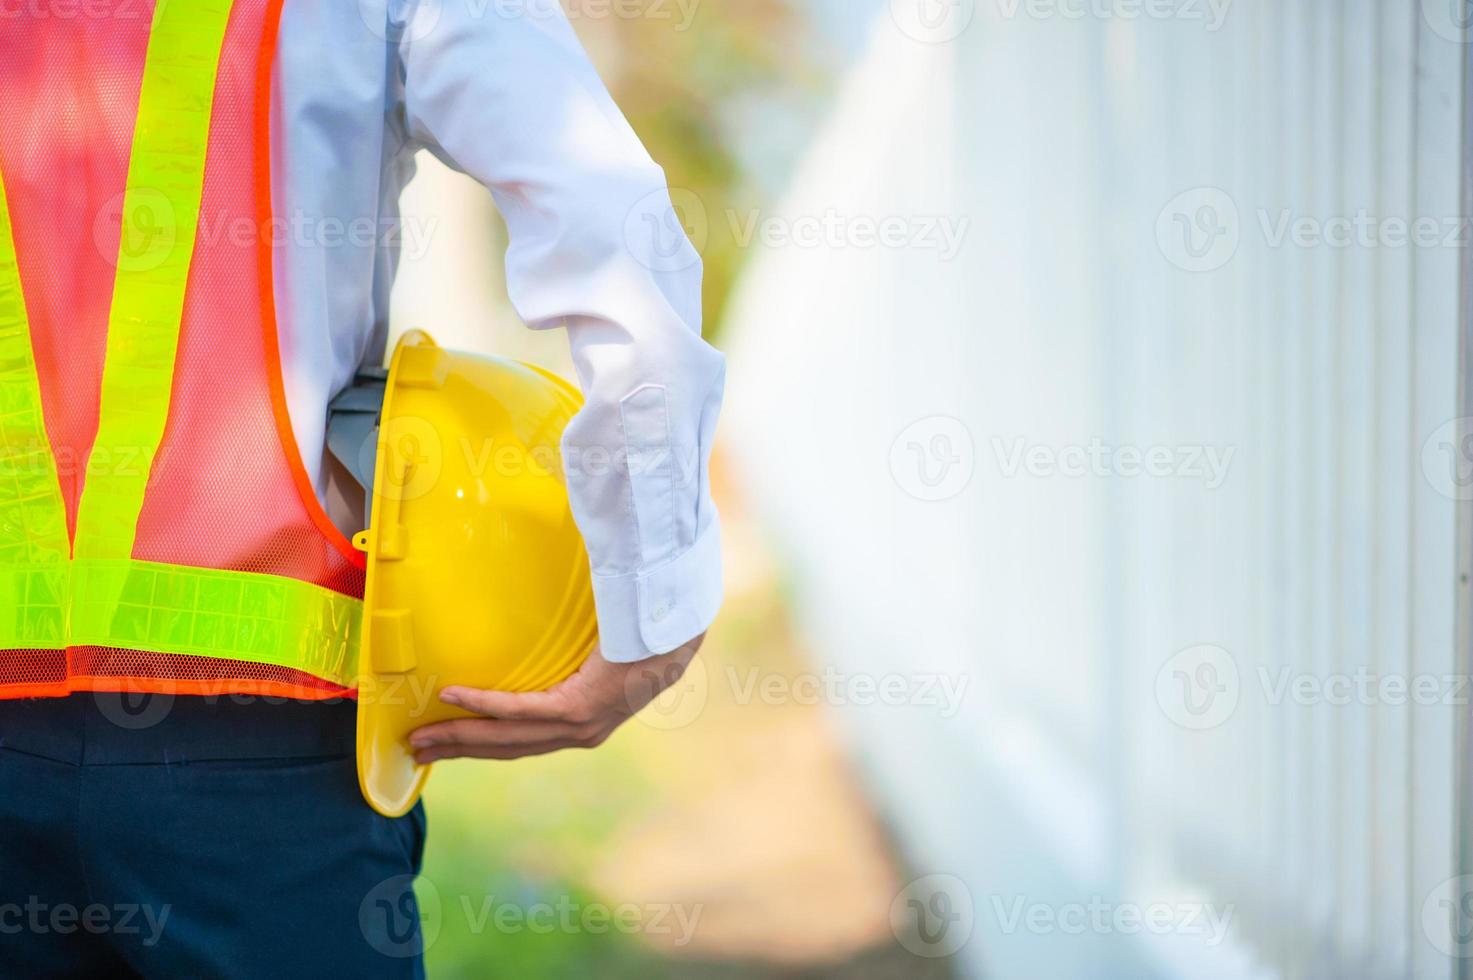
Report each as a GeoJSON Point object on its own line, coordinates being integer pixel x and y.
{"type": "Point", "coordinates": [684, 83]}
{"type": "Point", "coordinates": [519, 834]}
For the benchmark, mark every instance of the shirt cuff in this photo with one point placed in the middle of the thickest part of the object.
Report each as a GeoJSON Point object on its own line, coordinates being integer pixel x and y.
{"type": "Point", "coordinates": [648, 613]}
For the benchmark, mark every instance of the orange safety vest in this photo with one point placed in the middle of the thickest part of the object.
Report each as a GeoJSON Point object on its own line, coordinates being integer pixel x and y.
{"type": "Point", "coordinates": [158, 532]}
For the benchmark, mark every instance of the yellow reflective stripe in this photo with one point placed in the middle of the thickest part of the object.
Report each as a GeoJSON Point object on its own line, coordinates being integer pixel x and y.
{"type": "Point", "coordinates": [33, 606]}
{"type": "Point", "coordinates": [202, 612]}
{"type": "Point", "coordinates": [104, 598]}
{"type": "Point", "coordinates": [161, 209]}
{"type": "Point", "coordinates": [32, 514]}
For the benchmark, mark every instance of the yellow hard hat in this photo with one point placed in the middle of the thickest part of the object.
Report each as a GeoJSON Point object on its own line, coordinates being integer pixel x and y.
{"type": "Point", "coordinates": [477, 574]}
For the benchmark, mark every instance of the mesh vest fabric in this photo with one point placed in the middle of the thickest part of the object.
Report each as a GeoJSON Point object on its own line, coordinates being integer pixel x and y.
{"type": "Point", "coordinates": [227, 560]}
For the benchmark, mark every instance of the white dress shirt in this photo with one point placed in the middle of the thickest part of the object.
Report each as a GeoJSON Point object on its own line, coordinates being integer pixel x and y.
{"type": "Point", "coordinates": [503, 91]}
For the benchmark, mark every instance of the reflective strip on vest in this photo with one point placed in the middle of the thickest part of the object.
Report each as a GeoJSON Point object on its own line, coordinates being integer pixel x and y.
{"type": "Point", "coordinates": [103, 597]}
{"type": "Point", "coordinates": [161, 210]}
{"type": "Point", "coordinates": [32, 514]}
{"type": "Point", "coordinates": [201, 612]}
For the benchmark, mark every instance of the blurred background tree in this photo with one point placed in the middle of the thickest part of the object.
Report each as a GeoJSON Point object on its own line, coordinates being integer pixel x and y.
{"type": "Point", "coordinates": [721, 93]}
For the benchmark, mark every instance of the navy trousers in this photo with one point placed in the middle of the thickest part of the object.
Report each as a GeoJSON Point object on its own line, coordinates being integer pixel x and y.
{"type": "Point", "coordinates": [197, 838]}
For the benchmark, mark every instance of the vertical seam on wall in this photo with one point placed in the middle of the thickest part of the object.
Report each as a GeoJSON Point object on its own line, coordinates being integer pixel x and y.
{"type": "Point", "coordinates": [1463, 751]}
{"type": "Point", "coordinates": [1409, 640]}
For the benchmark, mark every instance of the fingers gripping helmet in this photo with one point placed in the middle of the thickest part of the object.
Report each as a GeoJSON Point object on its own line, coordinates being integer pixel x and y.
{"type": "Point", "coordinates": [477, 575]}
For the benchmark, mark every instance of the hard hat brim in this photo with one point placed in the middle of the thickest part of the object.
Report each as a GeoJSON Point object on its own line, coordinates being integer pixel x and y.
{"type": "Point", "coordinates": [485, 581]}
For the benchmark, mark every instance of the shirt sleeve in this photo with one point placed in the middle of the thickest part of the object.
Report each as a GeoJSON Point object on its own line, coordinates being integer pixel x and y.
{"type": "Point", "coordinates": [506, 94]}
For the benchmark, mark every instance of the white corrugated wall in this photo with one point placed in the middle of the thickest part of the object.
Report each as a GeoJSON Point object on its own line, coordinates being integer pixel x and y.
{"type": "Point", "coordinates": [1170, 700]}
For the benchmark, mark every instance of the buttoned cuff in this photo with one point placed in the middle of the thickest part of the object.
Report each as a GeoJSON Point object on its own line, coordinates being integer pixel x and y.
{"type": "Point", "coordinates": [651, 612]}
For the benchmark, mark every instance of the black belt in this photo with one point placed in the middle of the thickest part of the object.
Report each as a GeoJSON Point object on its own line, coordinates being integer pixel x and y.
{"type": "Point", "coordinates": [131, 729]}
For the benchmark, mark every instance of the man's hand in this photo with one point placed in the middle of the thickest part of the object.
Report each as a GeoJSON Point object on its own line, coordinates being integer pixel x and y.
{"type": "Point", "coordinates": [581, 712]}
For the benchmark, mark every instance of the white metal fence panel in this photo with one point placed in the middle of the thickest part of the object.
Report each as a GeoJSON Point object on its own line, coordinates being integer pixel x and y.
{"type": "Point", "coordinates": [1199, 352]}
